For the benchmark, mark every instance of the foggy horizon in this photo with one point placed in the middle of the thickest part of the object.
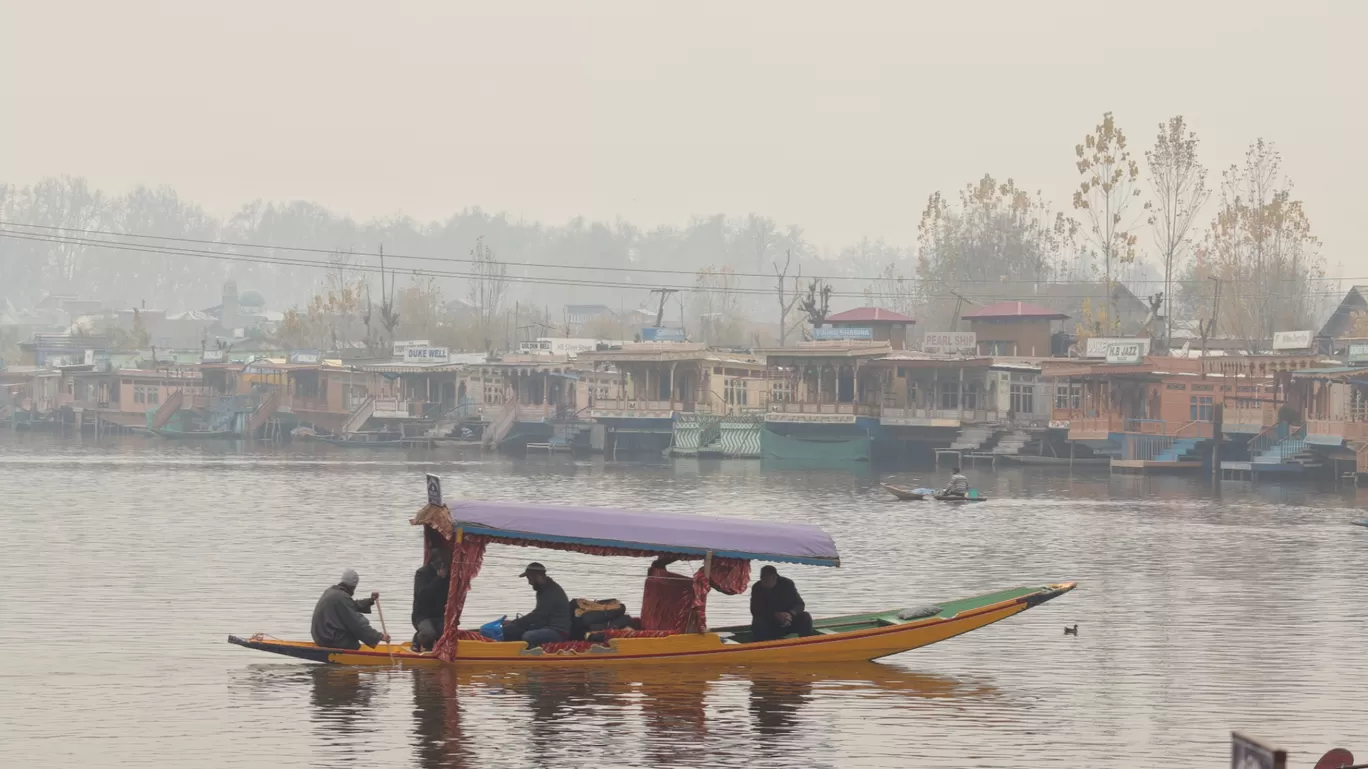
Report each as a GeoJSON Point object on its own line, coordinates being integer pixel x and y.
{"type": "Point", "coordinates": [655, 117]}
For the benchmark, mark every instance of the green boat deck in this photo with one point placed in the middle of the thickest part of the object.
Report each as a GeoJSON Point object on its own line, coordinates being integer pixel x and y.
{"type": "Point", "coordinates": [852, 622]}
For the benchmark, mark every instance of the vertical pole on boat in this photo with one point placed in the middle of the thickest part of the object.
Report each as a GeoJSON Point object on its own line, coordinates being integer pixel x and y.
{"type": "Point", "coordinates": [707, 578]}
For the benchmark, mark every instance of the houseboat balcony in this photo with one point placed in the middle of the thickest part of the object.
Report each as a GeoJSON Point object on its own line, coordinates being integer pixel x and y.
{"type": "Point", "coordinates": [1248, 419]}
{"type": "Point", "coordinates": [924, 417]}
{"type": "Point", "coordinates": [1324, 431]}
{"type": "Point", "coordinates": [398, 408]}
{"type": "Point", "coordinates": [821, 413]}
{"type": "Point", "coordinates": [634, 408]}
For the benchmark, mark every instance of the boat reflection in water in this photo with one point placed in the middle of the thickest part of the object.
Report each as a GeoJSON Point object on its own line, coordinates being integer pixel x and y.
{"type": "Point", "coordinates": [684, 716]}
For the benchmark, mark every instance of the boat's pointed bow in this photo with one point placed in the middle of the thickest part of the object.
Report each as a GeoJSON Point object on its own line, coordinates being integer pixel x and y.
{"type": "Point", "coordinates": [1048, 593]}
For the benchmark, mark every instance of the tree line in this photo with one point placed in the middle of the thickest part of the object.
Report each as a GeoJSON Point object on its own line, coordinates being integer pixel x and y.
{"type": "Point", "coordinates": [1148, 215]}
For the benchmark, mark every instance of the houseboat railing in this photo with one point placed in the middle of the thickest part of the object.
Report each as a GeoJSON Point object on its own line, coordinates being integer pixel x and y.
{"type": "Point", "coordinates": [1361, 458]}
{"type": "Point", "coordinates": [1267, 439]}
{"type": "Point", "coordinates": [1147, 447]}
{"type": "Point", "coordinates": [1197, 428]}
{"type": "Point", "coordinates": [1145, 426]}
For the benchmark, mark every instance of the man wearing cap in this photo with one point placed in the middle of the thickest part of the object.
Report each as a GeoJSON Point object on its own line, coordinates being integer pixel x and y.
{"type": "Point", "coordinates": [550, 620]}
{"type": "Point", "coordinates": [776, 608]}
{"type": "Point", "coordinates": [337, 620]}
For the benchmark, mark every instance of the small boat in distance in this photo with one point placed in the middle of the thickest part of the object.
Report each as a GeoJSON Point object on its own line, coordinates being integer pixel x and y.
{"type": "Point", "coordinates": [907, 495]}
{"type": "Point", "coordinates": [972, 496]}
{"type": "Point", "coordinates": [672, 628]}
{"type": "Point", "coordinates": [191, 435]}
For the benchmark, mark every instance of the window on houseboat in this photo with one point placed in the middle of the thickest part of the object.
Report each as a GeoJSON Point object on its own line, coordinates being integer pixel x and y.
{"type": "Point", "coordinates": [1068, 396]}
{"type": "Point", "coordinates": [999, 348]}
{"type": "Point", "coordinates": [1200, 408]}
{"type": "Point", "coordinates": [734, 391]}
{"type": "Point", "coordinates": [781, 390]}
{"type": "Point", "coordinates": [1022, 398]}
{"type": "Point", "coordinates": [949, 395]}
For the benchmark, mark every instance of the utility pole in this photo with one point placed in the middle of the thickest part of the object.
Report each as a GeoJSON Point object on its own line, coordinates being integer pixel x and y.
{"type": "Point", "coordinates": [664, 294]}
{"type": "Point", "coordinates": [1211, 324]}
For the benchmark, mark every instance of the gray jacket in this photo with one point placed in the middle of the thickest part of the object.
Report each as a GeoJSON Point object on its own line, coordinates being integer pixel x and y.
{"type": "Point", "coordinates": [337, 621]}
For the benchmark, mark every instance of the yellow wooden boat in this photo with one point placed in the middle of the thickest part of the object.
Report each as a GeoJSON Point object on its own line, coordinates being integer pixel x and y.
{"type": "Point", "coordinates": [724, 545]}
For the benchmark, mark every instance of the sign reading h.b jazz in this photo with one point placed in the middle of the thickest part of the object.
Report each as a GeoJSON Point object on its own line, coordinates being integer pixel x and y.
{"type": "Point", "coordinates": [1097, 346]}
{"type": "Point", "coordinates": [1125, 352]}
{"type": "Point", "coordinates": [427, 355]}
{"type": "Point", "coordinates": [1358, 352]}
{"type": "Point", "coordinates": [829, 334]}
{"type": "Point", "coordinates": [304, 356]}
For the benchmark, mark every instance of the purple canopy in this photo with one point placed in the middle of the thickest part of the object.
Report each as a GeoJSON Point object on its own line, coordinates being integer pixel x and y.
{"type": "Point", "coordinates": [654, 532]}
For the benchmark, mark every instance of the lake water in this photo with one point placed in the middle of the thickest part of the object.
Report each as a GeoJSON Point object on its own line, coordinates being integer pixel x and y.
{"type": "Point", "coordinates": [126, 564]}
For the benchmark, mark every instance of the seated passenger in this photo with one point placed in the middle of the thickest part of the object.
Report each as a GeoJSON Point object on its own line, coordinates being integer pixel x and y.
{"type": "Point", "coordinates": [777, 609]}
{"type": "Point", "coordinates": [550, 620]}
{"type": "Point", "coordinates": [337, 620]}
{"type": "Point", "coordinates": [429, 599]}
{"type": "Point", "coordinates": [959, 485]}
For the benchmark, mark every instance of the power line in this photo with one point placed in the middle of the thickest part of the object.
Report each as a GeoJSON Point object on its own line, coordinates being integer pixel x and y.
{"type": "Point", "coordinates": [550, 281]}
{"type": "Point", "coordinates": [563, 266]}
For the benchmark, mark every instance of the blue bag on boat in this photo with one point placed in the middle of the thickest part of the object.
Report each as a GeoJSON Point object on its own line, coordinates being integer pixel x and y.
{"type": "Point", "coordinates": [493, 630]}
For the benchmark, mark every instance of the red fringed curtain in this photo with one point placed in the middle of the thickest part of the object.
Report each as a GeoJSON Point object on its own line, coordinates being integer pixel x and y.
{"type": "Point", "coordinates": [730, 576]}
{"type": "Point", "coordinates": [666, 600]}
{"type": "Point", "coordinates": [466, 558]}
{"type": "Point", "coordinates": [679, 603]}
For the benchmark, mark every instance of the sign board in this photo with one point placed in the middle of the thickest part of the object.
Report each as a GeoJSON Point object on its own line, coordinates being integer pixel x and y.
{"type": "Point", "coordinates": [434, 489]}
{"type": "Point", "coordinates": [211, 356]}
{"type": "Point", "coordinates": [400, 347]}
{"type": "Point", "coordinates": [950, 341]}
{"type": "Point", "coordinates": [1358, 352]}
{"type": "Point", "coordinates": [306, 357]}
{"type": "Point", "coordinates": [656, 334]}
{"type": "Point", "coordinates": [1246, 753]}
{"type": "Point", "coordinates": [89, 358]}
{"type": "Point", "coordinates": [427, 355]}
{"type": "Point", "coordinates": [1292, 340]}
{"type": "Point", "coordinates": [1125, 352]}
{"type": "Point", "coordinates": [1097, 346]}
{"type": "Point", "coordinates": [849, 332]}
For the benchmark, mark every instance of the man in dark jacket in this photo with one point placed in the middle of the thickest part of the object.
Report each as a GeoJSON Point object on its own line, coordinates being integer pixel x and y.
{"type": "Point", "coordinates": [777, 609]}
{"type": "Point", "coordinates": [429, 599]}
{"type": "Point", "coordinates": [547, 623]}
{"type": "Point", "coordinates": [337, 620]}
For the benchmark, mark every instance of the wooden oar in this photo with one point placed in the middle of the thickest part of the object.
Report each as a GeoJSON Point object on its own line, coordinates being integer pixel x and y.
{"type": "Point", "coordinates": [390, 643]}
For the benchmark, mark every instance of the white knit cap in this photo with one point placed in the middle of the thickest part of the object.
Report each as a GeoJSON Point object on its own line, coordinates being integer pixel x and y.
{"type": "Point", "coordinates": [350, 578]}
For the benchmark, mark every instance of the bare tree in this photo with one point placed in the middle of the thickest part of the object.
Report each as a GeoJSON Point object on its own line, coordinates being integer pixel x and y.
{"type": "Point", "coordinates": [488, 289]}
{"type": "Point", "coordinates": [1178, 181]}
{"type": "Point", "coordinates": [1109, 188]}
{"type": "Point", "coordinates": [787, 299]}
{"type": "Point", "coordinates": [1262, 245]}
{"type": "Point", "coordinates": [817, 304]}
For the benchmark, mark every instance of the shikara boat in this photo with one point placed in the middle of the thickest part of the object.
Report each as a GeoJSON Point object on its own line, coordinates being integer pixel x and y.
{"type": "Point", "coordinates": [726, 546]}
{"type": "Point", "coordinates": [193, 435]}
{"type": "Point", "coordinates": [365, 442]}
{"type": "Point", "coordinates": [901, 493]}
{"type": "Point", "coordinates": [1031, 459]}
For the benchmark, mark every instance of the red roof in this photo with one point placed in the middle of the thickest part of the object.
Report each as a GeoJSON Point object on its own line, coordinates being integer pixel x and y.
{"type": "Point", "coordinates": [1008, 310]}
{"type": "Point", "coordinates": [869, 315]}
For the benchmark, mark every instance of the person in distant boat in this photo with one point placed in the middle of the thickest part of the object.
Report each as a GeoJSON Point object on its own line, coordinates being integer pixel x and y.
{"type": "Point", "coordinates": [550, 620]}
{"type": "Point", "coordinates": [429, 599]}
{"type": "Point", "coordinates": [959, 485]}
{"type": "Point", "coordinates": [337, 620]}
{"type": "Point", "coordinates": [776, 608]}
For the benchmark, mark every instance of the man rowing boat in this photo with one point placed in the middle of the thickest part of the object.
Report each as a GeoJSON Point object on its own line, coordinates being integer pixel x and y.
{"type": "Point", "coordinates": [959, 485]}
{"type": "Point", "coordinates": [337, 620]}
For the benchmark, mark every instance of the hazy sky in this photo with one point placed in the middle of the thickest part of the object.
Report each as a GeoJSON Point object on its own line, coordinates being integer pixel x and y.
{"type": "Point", "coordinates": [840, 117]}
